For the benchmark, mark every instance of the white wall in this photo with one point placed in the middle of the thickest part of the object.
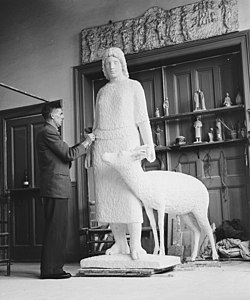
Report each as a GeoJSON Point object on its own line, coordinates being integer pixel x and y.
{"type": "Point", "coordinates": [40, 43]}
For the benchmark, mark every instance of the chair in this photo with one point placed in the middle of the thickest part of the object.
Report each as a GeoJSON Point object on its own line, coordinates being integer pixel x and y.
{"type": "Point", "coordinates": [5, 231]}
{"type": "Point", "coordinates": [98, 239]}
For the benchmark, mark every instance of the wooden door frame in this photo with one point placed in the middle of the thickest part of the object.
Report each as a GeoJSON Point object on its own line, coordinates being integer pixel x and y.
{"type": "Point", "coordinates": [85, 74]}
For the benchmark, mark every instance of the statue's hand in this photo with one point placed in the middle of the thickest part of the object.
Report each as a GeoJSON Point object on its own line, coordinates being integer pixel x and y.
{"type": "Point", "coordinates": [151, 153]}
{"type": "Point", "coordinates": [90, 137]}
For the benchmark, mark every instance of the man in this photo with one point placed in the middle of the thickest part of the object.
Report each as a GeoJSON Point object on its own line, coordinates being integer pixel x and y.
{"type": "Point", "coordinates": [54, 158]}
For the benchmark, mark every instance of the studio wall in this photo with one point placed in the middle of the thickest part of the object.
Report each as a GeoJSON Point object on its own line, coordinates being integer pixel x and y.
{"type": "Point", "coordinates": [40, 45]}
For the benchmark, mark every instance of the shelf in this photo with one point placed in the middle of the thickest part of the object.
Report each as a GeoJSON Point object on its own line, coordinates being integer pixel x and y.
{"type": "Point", "coordinates": [213, 111]}
{"type": "Point", "coordinates": [208, 144]}
{"type": "Point", "coordinates": [199, 145]}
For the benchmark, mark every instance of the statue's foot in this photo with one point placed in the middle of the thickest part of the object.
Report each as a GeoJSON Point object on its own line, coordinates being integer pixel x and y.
{"type": "Point", "coordinates": [118, 249]}
{"type": "Point", "coordinates": [137, 253]}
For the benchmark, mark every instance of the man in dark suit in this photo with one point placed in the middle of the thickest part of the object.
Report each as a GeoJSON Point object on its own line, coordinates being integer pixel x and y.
{"type": "Point", "coordinates": [54, 158]}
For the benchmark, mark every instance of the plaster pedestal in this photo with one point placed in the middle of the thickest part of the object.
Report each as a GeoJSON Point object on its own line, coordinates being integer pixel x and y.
{"type": "Point", "coordinates": [123, 265]}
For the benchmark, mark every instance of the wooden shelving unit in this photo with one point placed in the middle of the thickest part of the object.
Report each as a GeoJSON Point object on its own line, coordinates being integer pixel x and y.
{"type": "Point", "coordinates": [214, 111]}
{"type": "Point", "coordinates": [178, 117]}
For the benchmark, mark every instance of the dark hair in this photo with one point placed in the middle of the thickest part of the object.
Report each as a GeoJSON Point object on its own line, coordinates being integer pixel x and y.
{"type": "Point", "coordinates": [48, 108]}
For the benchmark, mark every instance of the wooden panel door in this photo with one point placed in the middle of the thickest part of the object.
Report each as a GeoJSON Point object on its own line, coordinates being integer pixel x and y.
{"type": "Point", "coordinates": [27, 226]}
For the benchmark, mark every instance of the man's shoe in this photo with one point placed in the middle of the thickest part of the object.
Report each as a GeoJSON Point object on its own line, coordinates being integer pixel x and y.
{"type": "Point", "coordinates": [63, 275]}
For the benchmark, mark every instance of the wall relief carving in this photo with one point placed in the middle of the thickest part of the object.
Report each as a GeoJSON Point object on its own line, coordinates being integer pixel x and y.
{"type": "Point", "coordinates": [160, 28]}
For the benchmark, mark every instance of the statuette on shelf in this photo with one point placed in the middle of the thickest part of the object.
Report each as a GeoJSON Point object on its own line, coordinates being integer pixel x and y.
{"type": "Point", "coordinates": [227, 101]}
{"type": "Point", "coordinates": [211, 135]}
{"type": "Point", "coordinates": [166, 107]}
{"type": "Point", "coordinates": [238, 98]}
{"type": "Point", "coordinates": [243, 132]}
{"type": "Point", "coordinates": [198, 126]}
{"type": "Point", "coordinates": [157, 112]}
{"type": "Point", "coordinates": [199, 101]}
{"type": "Point", "coordinates": [218, 130]}
{"type": "Point", "coordinates": [158, 132]}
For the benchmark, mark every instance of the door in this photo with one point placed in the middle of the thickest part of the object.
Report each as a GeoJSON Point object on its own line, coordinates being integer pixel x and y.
{"type": "Point", "coordinates": [27, 217]}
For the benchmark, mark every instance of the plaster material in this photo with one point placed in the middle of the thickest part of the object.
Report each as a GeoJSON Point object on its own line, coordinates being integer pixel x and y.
{"type": "Point", "coordinates": [166, 192]}
{"type": "Point", "coordinates": [124, 261]}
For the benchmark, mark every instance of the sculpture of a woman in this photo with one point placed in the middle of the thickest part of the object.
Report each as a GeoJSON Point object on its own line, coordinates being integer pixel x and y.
{"type": "Point", "coordinates": [121, 118]}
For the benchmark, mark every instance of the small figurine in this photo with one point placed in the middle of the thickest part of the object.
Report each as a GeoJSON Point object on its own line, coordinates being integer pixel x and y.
{"type": "Point", "coordinates": [157, 112]}
{"type": "Point", "coordinates": [199, 100]}
{"type": "Point", "coordinates": [196, 101]}
{"type": "Point", "coordinates": [197, 126]}
{"type": "Point", "coordinates": [166, 107]}
{"type": "Point", "coordinates": [238, 98]}
{"type": "Point", "coordinates": [243, 132]}
{"type": "Point", "coordinates": [227, 100]}
{"type": "Point", "coordinates": [158, 136]}
{"type": "Point", "coordinates": [218, 130]}
{"type": "Point", "coordinates": [211, 135]}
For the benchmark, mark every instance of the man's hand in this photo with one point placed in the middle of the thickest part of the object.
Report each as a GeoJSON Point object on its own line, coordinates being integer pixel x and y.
{"type": "Point", "coordinates": [89, 140]}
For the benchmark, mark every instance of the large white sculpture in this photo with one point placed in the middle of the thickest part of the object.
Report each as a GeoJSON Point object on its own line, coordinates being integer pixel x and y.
{"type": "Point", "coordinates": [121, 120]}
{"type": "Point", "coordinates": [166, 192]}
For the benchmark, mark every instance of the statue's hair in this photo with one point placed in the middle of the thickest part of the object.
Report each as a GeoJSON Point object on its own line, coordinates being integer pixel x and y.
{"type": "Point", "coordinates": [117, 53]}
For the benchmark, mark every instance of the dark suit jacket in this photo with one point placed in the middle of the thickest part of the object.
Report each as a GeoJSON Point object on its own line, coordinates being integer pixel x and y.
{"type": "Point", "coordinates": [54, 159]}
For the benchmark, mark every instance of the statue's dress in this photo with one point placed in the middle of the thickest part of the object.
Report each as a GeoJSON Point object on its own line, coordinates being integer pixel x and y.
{"type": "Point", "coordinates": [120, 109]}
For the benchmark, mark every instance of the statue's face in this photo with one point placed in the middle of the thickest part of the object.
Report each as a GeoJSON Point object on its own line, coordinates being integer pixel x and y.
{"type": "Point", "coordinates": [113, 68]}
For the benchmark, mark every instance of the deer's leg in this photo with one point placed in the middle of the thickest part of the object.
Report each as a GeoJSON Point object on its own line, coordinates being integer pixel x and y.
{"type": "Point", "coordinates": [193, 225]}
{"type": "Point", "coordinates": [204, 224]}
{"type": "Point", "coordinates": [161, 215]}
{"type": "Point", "coordinates": [150, 214]}
{"type": "Point", "coordinates": [121, 245]}
{"type": "Point", "coordinates": [136, 249]}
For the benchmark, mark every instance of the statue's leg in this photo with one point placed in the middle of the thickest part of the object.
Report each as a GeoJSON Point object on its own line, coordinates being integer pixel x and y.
{"type": "Point", "coordinates": [151, 217]}
{"type": "Point", "coordinates": [191, 222]}
{"type": "Point", "coordinates": [121, 245]}
{"type": "Point", "coordinates": [136, 249]}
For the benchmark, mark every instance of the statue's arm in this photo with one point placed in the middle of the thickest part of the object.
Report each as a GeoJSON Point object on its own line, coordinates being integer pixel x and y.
{"type": "Point", "coordinates": [142, 120]}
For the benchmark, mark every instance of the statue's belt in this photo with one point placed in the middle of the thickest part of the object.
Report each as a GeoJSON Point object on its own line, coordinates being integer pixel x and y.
{"type": "Point", "coordinates": [117, 133]}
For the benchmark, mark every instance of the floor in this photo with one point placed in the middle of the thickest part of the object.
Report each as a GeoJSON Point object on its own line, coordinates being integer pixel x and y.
{"type": "Point", "coordinates": [201, 280]}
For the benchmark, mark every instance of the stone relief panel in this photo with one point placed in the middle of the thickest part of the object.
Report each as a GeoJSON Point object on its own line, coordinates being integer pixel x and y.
{"type": "Point", "coordinates": [160, 28]}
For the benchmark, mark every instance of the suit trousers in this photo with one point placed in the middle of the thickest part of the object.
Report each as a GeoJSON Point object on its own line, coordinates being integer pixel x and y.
{"type": "Point", "coordinates": [55, 235]}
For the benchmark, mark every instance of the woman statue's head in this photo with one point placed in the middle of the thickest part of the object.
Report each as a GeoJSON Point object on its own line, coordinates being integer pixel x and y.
{"type": "Point", "coordinates": [111, 55]}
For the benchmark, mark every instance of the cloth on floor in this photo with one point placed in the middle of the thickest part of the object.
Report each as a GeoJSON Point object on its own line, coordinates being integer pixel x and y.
{"type": "Point", "coordinates": [233, 248]}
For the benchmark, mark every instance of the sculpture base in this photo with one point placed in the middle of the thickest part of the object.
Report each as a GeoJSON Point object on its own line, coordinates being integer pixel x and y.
{"type": "Point", "coordinates": [123, 265]}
